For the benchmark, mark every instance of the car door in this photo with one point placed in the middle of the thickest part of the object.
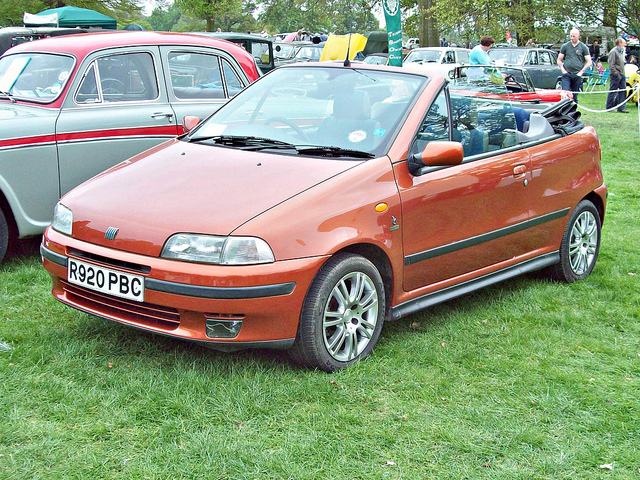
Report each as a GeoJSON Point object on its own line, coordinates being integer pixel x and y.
{"type": "Point", "coordinates": [550, 71]}
{"type": "Point", "coordinates": [531, 65]}
{"type": "Point", "coordinates": [200, 80]}
{"type": "Point", "coordinates": [117, 107]}
{"type": "Point", "coordinates": [465, 219]}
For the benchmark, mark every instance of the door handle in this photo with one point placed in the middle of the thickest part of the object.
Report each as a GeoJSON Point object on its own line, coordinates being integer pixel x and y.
{"type": "Point", "coordinates": [519, 171]}
{"type": "Point", "coordinates": [162, 114]}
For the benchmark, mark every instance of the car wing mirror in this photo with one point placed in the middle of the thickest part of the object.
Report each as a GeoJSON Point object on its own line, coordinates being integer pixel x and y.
{"type": "Point", "coordinates": [189, 122]}
{"type": "Point", "coordinates": [438, 153]}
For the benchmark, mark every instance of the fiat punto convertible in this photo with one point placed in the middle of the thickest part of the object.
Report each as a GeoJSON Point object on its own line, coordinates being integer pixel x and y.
{"type": "Point", "coordinates": [325, 199]}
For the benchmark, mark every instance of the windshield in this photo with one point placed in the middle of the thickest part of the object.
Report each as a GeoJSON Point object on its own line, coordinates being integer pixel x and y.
{"type": "Point", "coordinates": [39, 77]}
{"type": "Point", "coordinates": [515, 79]}
{"type": "Point", "coordinates": [312, 53]}
{"type": "Point", "coordinates": [506, 56]}
{"type": "Point", "coordinates": [283, 51]}
{"type": "Point", "coordinates": [426, 56]}
{"type": "Point", "coordinates": [338, 107]}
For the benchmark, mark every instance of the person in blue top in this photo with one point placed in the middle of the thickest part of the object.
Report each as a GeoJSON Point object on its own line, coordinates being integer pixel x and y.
{"type": "Point", "coordinates": [479, 55]}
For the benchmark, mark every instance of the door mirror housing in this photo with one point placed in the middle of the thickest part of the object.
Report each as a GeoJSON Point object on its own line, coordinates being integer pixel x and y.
{"type": "Point", "coordinates": [438, 153]}
{"type": "Point", "coordinates": [189, 122]}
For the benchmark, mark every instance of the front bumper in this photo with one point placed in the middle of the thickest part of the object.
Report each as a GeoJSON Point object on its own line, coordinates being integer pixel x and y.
{"type": "Point", "coordinates": [182, 299]}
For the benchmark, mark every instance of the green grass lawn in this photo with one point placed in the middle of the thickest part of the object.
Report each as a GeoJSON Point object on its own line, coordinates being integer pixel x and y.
{"type": "Point", "coordinates": [528, 379]}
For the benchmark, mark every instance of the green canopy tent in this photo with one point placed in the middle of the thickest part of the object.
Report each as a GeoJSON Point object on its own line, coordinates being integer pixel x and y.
{"type": "Point", "coordinates": [73, 17]}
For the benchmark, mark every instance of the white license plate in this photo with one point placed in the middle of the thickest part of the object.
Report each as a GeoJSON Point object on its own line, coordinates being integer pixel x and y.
{"type": "Point", "coordinates": [105, 280]}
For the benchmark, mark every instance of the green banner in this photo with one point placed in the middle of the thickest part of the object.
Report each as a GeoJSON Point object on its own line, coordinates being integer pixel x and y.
{"type": "Point", "coordinates": [394, 31]}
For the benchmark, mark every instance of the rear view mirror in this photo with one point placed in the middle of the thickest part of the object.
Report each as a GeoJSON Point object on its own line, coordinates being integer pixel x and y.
{"type": "Point", "coordinates": [189, 122]}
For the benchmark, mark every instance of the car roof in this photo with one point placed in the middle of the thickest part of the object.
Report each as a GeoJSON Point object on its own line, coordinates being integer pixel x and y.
{"type": "Point", "coordinates": [82, 45]}
{"type": "Point", "coordinates": [441, 49]}
{"type": "Point", "coordinates": [363, 66]}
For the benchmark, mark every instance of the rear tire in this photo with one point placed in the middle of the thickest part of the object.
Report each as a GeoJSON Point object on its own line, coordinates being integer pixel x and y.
{"type": "Point", "coordinates": [341, 316]}
{"type": "Point", "coordinates": [580, 244]}
{"type": "Point", "coordinates": [559, 84]}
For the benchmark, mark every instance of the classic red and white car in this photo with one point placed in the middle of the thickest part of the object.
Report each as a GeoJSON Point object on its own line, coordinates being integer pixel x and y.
{"type": "Point", "coordinates": [73, 106]}
{"type": "Point", "coordinates": [323, 200]}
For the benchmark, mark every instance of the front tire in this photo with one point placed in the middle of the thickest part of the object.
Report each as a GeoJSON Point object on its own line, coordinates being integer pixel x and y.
{"type": "Point", "coordinates": [580, 244]}
{"type": "Point", "coordinates": [341, 316]}
{"type": "Point", "coordinates": [559, 84]}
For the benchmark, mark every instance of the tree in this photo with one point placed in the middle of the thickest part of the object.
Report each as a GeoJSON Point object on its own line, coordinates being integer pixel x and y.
{"type": "Point", "coordinates": [210, 10]}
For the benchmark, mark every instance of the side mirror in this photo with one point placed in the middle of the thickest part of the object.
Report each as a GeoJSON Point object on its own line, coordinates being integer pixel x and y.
{"type": "Point", "coordinates": [189, 122]}
{"type": "Point", "coordinates": [438, 153]}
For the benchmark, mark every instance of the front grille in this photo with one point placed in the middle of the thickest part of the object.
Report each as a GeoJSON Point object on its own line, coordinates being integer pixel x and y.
{"type": "Point", "coordinates": [109, 261]}
{"type": "Point", "coordinates": [141, 313]}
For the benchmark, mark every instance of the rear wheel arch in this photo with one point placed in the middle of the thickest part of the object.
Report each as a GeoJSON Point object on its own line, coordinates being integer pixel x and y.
{"type": "Point", "coordinates": [594, 198]}
{"type": "Point", "coordinates": [8, 223]}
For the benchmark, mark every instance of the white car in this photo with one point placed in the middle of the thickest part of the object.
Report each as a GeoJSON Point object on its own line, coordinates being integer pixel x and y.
{"type": "Point", "coordinates": [437, 59]}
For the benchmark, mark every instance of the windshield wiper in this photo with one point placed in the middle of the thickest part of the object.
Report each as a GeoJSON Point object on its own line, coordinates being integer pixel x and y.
{"type": "Point", "coordinates": [244, 142]}
{"type": "Point", "coordinates": [323, 151]}
{"type": "Point", "coordinates": [260, 143]}
{"type": "Point", "coordinates": [8, 95]}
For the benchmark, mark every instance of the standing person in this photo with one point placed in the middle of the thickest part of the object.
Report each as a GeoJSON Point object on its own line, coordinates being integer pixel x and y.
{"type": "Point", "coordinates": [479, 55]}
{"type": "Point", "coordinates": [594, 51]}
{"type": "Point", "coordinates": [573, 60]}
{"type": "Point", "coordinates": [616, 77]}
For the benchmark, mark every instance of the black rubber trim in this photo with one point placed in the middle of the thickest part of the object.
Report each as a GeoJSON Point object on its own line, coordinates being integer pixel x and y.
{"type": "Point", "coordinates": [430, 299]}
{"type": "Point", "coordinates": [237, 293]}
{"type": "Point", "coordinates": [53, 257]}
{"type": "Point", "coordinates": [199, 291]}
{"type": "Point", "coordinates": [485, 237]}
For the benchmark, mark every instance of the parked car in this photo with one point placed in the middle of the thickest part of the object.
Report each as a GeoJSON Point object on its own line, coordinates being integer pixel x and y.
{"type": "Point", "coordinates": [73, 106]}
{"type": "Point", "coordinates": [284, 52]}
{"type": "Point", "coordinates": [261, 48]}
{"type": "Point", "coordinates": [441, 60]}
{"type": "Point", "coordinates": [377, 59]}
{"type": "Point", "coordinates": [12, 36]}
{"type": "Point", "coordinates": [539, 62]}
{"type": "Point", "coordinates": [517, 81]}
{"type": "Point", "coordinates": [324, 199]}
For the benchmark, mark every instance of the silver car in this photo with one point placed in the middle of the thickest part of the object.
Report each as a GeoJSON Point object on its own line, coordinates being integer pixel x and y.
{"type": "Point", "coordinates": [73, 106]}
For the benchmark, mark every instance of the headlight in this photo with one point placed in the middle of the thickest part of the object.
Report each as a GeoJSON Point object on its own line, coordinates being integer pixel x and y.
{"type": "Point", "coordinates": [62, 219]}
{"type": "Point", "coordinates": [217, 250]}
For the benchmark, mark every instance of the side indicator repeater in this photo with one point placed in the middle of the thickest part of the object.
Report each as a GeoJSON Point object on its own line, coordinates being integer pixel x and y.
{"type": "Point", "coordinates": [381, 207]}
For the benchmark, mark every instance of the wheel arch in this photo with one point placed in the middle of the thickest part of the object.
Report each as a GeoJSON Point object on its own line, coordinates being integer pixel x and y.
{"type": "Point", "coordinates": [379, 258]}
{"type": "Point", "coordinates": [8, 215]}
{"type": "Point", "coordinates": [594, 198]}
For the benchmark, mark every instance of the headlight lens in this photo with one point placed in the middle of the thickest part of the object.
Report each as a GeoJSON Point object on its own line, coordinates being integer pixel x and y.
{"type": "Point", "coordinates": [62, 219]}
{"type": "Point", "coordinates": [217, 250]}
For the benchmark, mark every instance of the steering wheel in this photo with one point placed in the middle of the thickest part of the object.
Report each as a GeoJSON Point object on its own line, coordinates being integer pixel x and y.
{"type": "Point", "coordinates": [290, 124]}
{"type": "Point", "coordinates": [112, 86]}
{"type": "Point", "coordinates": [512, 79]}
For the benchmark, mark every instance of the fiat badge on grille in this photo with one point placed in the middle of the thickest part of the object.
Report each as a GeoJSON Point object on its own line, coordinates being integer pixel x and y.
{"type": "Point", "coordinates": [111, 232]}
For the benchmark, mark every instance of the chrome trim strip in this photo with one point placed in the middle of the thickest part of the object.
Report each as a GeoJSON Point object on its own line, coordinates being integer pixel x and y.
{"type": "Point", "coordinates": [485, 237]}
{"type": "Point", "coordinates": [53, 257]}
{"type": "Point", "coordinates": [462, 289]}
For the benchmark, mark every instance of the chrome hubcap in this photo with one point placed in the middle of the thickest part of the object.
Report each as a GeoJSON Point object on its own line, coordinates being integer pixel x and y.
{"type": "Point", "coordinates": [350, 316]}
{"type": "Point", "coordinates": [583, 243]}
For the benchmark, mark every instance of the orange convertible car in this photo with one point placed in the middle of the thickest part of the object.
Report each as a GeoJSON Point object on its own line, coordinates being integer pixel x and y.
{"type": "Point", "coordinates": [323, 200]}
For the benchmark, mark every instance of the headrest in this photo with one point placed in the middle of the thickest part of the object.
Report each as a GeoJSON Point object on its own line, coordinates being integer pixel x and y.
{"type": "Point", "coordinates": [355, 104]}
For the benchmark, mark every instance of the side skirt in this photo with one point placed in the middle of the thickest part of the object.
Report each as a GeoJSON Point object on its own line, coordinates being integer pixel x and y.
{"type": "Point", "coordinates": [440, 296]}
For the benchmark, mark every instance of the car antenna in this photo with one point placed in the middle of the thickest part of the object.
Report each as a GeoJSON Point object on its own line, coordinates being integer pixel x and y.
{"type": "Point", "coordinates": [347, 62]}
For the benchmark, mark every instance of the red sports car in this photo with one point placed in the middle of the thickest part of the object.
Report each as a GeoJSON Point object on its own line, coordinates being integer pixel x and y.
{"type": "Point", "coordinates": [323, 200]}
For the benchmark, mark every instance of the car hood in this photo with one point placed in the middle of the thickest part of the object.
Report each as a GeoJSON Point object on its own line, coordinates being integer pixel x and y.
{"type": "Point", "coordinates": [185, 187]}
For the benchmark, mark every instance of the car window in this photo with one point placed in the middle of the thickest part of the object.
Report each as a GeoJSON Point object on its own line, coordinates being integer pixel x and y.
{"type": "Point", "coordinates": [545, 59]}
{"type": "Point", "coordinates": [449, 57]}
{"type": "Point", "coordinates": [533, 57]}
{"type": "Point", "coordinates": [234, 84]}
{"type": "Point", "coordinates": [37, 77]}
{"type": "Point", "coordinates": [426, 56]}
{"type": "Point", "coordinates": [463, 57]}
{"type": "Point", "coordinates": [436, 124]}
{"type": "Point", "coordinates": [196, 75]}
{"type": "Point", "coordinates": [128, 77]}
